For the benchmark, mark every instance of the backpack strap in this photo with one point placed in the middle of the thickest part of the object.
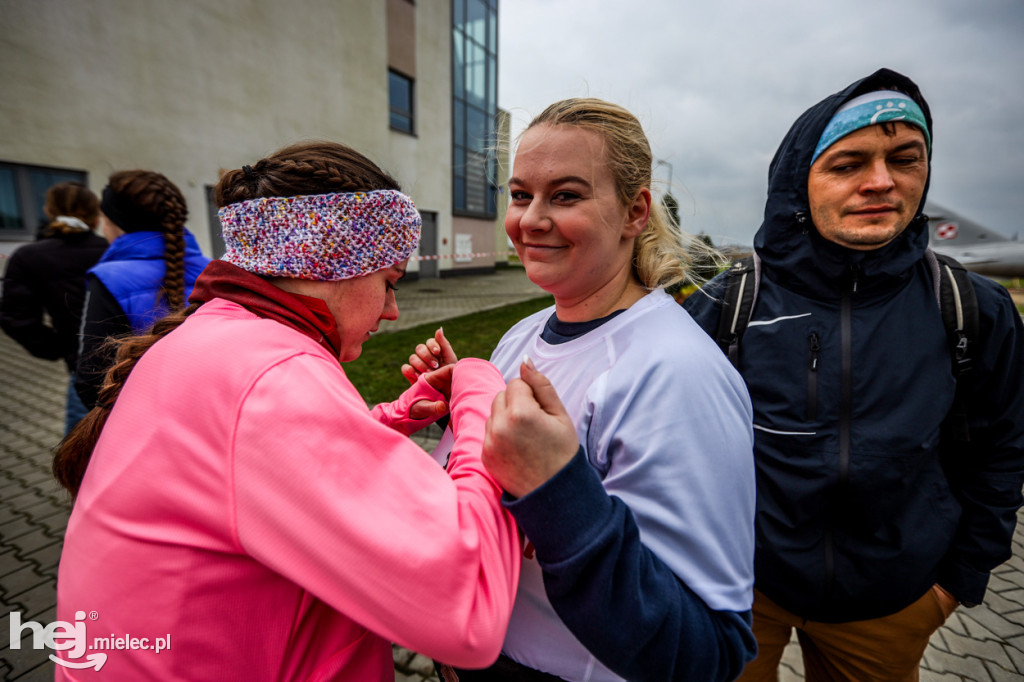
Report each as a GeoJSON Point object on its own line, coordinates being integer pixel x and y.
{"type": "Point", "coordinates": [958, 304]}
{"type": "Point", "coordinates": [742, 283]}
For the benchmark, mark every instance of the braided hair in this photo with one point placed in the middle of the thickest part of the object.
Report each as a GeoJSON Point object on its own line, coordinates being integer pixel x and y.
{"type": "Point", "coordinates": [301, 169]}
{"type": "Point", "coordinates": [153, 193]}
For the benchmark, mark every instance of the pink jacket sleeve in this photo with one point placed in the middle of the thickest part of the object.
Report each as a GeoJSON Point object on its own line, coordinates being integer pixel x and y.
{"type": "Point", "coordinates": [396, 414]}
{"type": "Point", "coordinates": [358, 515]}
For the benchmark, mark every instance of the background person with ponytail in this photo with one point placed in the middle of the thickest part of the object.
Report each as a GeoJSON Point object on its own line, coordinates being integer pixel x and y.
{"type": "Point", "coordinates": [624, 443]}
{"type": "Point", "coordinates": [233, 489]}
{"type": "Point", "coordinates": [147, 272]}
{"type": "Point", "coordinates": [47, 277]}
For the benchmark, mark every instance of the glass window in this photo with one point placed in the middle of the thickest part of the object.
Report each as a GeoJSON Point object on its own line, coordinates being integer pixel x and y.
{"type": "Point", "coordinates": [10, 209]}
{"type": "Point", "coordinates": [476, 129]}
{"type": "Point", "coordinates": [400, 101]}
{"type": "Point", "coordinates": [459, 63]}
{"type": "Point", "coordinates": [23, 196]}
{"type": "Point", "coordinates": [476, 20]}
{"type": "Point", "coordinates": [474, 105]}
{"type": "Point", "coordinates": [476, 75]}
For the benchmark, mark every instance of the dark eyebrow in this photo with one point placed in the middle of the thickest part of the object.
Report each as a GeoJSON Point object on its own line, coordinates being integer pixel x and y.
{"type": "Point", "coordinates": [916, 145]}
{"type": "Point", "coordinates": [557, 181]}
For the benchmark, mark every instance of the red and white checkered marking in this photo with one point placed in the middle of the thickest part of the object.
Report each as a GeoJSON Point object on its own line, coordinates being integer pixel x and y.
{"type": "Point", "coordinates": [945, 231]}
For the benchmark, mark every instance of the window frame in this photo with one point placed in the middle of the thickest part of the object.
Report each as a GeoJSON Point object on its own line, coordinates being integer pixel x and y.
{"type": "Point", "coordinates": [393, 111]}
{"type": "Point", "coordinates": [30, 205]}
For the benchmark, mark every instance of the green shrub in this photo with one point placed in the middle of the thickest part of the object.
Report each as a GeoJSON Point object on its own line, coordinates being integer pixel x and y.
{"type": "Point", "coordinates": [377, 372]}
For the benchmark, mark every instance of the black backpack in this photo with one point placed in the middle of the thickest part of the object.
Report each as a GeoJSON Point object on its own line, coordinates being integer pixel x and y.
{"type": "Point", "coordinates": [954, 294]}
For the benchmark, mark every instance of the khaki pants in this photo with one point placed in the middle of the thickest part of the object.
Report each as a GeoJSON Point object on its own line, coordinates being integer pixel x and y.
{"type": "Point", "coordinates": [885, 649]}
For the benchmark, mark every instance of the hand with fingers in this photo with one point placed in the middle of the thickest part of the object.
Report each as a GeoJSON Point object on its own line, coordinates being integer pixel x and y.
{"type": "Point", "coordinates": [433, 360]}
{"type": "Point", "coordinates": [530, 436]}
{"type": "Point", "coordinates": [432, 354]}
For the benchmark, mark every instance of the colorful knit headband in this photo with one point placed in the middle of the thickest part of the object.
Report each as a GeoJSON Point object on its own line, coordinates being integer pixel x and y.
{"type": "Point", "coordinates": [326, 237]}
{"type": "Point", "coordinates": [875, 107]}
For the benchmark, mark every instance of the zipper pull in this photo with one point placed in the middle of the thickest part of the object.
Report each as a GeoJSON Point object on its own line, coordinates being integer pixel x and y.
{"type": "Point", "coordinates": [854, 276]}
{"type": "Point", "coordinates": [815, 348]}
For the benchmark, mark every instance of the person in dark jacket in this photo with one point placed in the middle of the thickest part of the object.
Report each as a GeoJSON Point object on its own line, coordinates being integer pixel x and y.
{"type": "Point", "coordinates": [871, 526]}
{"type": "Point", "coordinates": [47, 278]}
{"type": "Point", "coordinates": [147, 272]}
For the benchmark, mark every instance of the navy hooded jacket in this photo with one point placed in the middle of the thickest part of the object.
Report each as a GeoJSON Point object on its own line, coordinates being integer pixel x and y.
{"type": "Point", "coordinates": [861, 506]}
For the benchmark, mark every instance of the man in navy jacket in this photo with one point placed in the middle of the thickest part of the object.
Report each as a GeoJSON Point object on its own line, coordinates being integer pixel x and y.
{"type": "Point", "coordinates": [871, 526]}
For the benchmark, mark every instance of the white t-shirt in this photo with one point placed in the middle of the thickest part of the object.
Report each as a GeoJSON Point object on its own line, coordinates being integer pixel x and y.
{"type": "Point", "coordinates": [665, 420]}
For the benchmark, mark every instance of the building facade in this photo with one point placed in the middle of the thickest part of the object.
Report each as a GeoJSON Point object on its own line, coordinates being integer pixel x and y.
{"type": "Point", "coordinates": [192, 87]}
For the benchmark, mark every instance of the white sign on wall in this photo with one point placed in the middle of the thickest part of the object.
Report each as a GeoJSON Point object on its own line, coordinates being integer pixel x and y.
{"type": "Point", "coordinates": [463, 248]}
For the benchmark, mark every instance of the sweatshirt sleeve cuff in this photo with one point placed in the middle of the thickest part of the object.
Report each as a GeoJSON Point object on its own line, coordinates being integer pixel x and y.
{"type": "Point", "coordinates": [963, 582]}
{"type": "Point", "coordinates": [566, 512]}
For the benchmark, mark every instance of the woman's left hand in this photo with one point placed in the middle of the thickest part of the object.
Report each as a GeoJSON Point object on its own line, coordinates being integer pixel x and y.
{"type": "Point", "coordinates": [432, 354]}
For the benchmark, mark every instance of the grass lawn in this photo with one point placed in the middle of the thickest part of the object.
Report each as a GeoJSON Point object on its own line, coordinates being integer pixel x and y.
{"type": "Point", "coordinates": [377, 373]}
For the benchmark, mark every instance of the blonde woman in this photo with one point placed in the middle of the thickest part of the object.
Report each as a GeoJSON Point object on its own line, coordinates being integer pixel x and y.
{"type": "Point", "coordinates": [624, 439]}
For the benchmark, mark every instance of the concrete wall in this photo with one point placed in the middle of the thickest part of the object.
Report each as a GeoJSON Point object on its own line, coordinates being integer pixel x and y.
{"type": "Point", "coordinates": [190, 87]}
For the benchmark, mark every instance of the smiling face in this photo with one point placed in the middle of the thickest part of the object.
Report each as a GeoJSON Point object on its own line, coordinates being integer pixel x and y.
{"type": "Point", "coordinates": [357, 304]}
{"type": "Point", "coordinates": [571, 231]}
{"type": "Point", "coordinates": [865, 189]}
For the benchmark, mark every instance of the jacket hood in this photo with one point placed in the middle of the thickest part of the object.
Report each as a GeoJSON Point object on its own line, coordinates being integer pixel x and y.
{"type": "Point", "coordinates": [787, 241]}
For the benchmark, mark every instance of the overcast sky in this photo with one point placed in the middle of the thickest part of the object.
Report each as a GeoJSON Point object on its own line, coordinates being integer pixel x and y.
{"type": "Point", "coordinates": [717, 83]}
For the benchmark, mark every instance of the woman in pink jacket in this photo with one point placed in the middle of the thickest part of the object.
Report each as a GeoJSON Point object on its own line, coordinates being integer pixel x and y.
{"type": "Point", "coordinates": [239, 513]}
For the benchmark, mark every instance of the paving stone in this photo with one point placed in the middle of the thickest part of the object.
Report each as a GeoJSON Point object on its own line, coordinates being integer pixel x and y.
{"type": "Point", "coordinates": [23, 659]}
{"type": "Point", "coordinates": [403, 677]}
{"type": "Point", "coordinates": [37, 600]}
{"type": "Point", "coordinates": [931, 676]}
{"type": "Point", "coordinates": [993, 622]}
{"type": "Point", "coordinates": [1016, 642]}
{"type": "Point", "coordinates": [997, 583]}
{"type": "Point", "coordinates": [20, 580]}
{"type": "Point", "coordinates": [1014, 595]}
{"type": "Point", "coordinates": [30, 542]}
{"type": "Point", "coordinates": [1000, 674]}
{"type": "Point", "coordinates": [42, 510]}
{"type": "Point", "coordinates": [971, 668]}
{"type": "Point", "coordinates": [1017, 656]}
{"type": "Point", "coordinates": [421, 665]}
{"type": "Point", "coordinates": [787, 674]}
{"type": "Point", "coordinates": [1000, 604]}
{"type": "Point", "coordinates": [43, 673]}
{"type": "Point", "coordinates": [955, 624]}
{"type": "Point", "coordinates": [14, 528]}
{"type": "Point", "coordinates": [987, 650]}
{"type": "Point", "coordinates": [24, 500]}
{"type": "Point", "coordinates": [56, 522]}
{"type": "Point", "coordinates": [47, 558]}
{"type": "Point", "coordinates": [10, 488]}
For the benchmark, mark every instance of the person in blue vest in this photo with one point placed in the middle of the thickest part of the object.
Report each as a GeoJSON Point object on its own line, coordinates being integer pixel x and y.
{"type": "Point", "coordinates": [873, 522]}
{"type": "Point", "coordinates": [147, 272]}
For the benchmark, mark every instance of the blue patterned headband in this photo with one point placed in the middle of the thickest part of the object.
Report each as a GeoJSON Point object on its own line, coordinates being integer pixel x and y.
{"type": "Point", "coordinates": [325, 237]}
{"type": "Point", "coordinates": [882, 106]}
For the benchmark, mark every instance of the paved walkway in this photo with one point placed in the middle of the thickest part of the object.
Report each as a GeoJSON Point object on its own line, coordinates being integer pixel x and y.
{"type": "Point", "coordinates": [985, 644]}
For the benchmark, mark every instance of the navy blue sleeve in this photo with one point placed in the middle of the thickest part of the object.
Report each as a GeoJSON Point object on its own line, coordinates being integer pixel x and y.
{"type": "Point", "coordinates": [987, 474]}
{"type": "Point", "coordinates": [102, 318]}
{"type": "Point", "coordinates": [619, 600]}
